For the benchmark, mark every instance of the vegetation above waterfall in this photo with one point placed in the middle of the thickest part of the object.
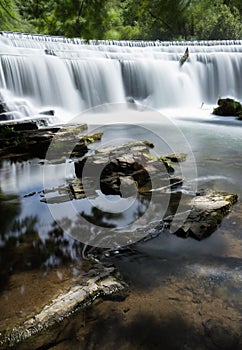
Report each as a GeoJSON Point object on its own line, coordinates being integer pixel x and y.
{"type": "Point", "coordinates": [125, 19]}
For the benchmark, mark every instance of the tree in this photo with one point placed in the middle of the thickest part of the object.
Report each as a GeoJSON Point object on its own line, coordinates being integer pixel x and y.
{"type": "Point", "coordinates": [133, 19]}
{"type": "Point", "coordinates": [156, 19]}
{"type": "Point", "coordinates": [9, 17]}
{"type": "Point", "coordinates": [219, 22]}
{"type": "Point", "coordinates": [72, 18]}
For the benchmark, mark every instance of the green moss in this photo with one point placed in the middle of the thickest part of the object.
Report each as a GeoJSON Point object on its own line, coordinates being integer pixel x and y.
{"type": "Point", "coordinates": [93, 138]}
{"type": "Point", "coordinates": [150, 157]}
{"type": "Point", "coordinates": [177, 157]}
{"type": "Point", "coordinates": [228, 107]}
{"type": "Point", "coordinates": [167, 164]}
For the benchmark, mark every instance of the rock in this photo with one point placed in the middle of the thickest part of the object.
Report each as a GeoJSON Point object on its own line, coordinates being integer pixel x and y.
{"type": "Point", "coordinates": [126, 165]}
{"type": "Point", "coordinates": [208, 209]}
{"type": "Point", "coordinates": [25, 138]}
{"type": "Point", "coordinates": [18, 126]}
{"type": "Point", "coordinates": [130, 99]}
{"type": "Point", "coordinates": [167, 163]}
{"type": "Point", "coordinates": [184, 57]}
{"type": "Point", "coordinates": [40, 329]}
{"type": "Point", "coordinates": [50, 112]}
{"type": "Point", "coordinates": [177, 158]}
{"type": "Point", "coordinates": [3, 107]}
{"type": "Point", "coordinates": [228, 107]}
{"type": "Point", "coordinates": [6, 116]}
{"type": "Point", "coordinates": [29, 194]}
{"type": "Point", "coordinates": [124, 170]}
{"type": "Point", "coordinates": [50, 52]}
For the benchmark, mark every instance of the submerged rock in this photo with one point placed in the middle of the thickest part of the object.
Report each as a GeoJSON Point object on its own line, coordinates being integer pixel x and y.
{"type": "Point", "coordinates": [40, 328]}
{"type": "Point", "coordinates": [228, 107]}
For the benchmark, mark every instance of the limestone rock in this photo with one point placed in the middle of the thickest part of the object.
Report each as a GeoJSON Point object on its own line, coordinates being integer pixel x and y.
{"type": "Point", "coordinates": [208, 209]}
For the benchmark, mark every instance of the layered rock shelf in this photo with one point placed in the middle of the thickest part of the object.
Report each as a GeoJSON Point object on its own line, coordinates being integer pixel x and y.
{"type": "Point", "coordinates": [207, 212]}
{"type": "Point", "coordinates": [118, 170]}
{"type": "Point", "coordinates": [33, 139]}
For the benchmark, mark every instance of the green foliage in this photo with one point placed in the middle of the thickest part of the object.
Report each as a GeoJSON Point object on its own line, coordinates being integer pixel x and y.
{"type": "Point", "coordinates": [219, 22]}
{"type": "Point", "coordinates": [125, 19]}
{"type": "Point", "coordinates": [10, 20]}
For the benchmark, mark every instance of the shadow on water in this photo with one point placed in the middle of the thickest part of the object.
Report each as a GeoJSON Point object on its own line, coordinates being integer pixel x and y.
{"type": "Point", "coordinates": [149, 332]}
{"type": "Point", "coordinates": [143, 331]}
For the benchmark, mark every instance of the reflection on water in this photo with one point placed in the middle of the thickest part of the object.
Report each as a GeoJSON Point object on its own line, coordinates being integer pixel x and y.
{"type": "Point", "coordinates": [23, 249]}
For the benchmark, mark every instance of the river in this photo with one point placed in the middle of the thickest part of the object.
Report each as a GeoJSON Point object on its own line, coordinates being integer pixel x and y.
{"type": "Point", "coordinates": [184, 294]}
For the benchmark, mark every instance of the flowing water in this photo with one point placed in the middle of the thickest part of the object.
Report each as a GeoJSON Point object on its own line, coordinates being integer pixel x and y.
{"type": "Point", "coordinates": [183, 292]}
{"type": "Point", "coordinates": [71, 76]}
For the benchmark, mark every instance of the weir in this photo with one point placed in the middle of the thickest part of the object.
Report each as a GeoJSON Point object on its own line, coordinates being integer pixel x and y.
{"type": "Point", "coordinates": [40, 72]}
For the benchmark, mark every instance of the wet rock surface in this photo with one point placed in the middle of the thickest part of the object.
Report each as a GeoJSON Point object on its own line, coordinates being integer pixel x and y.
{"type": "Point", "coordinates": [228, 107]}
{"type": "Point", "coordinates": [208, 209]}
{"type": "Point", "coordinates": [206, 212]}
{"type": "Point", "coordinates": [127, 170]}
{"type": "Point", "coordinates": [33, 139]}
{"type": "Point", "coordinates": [100, 281]}
{"type": "Point", "coordinates": [123, 170]}
{"type": "Point", "coordinates": [118, 166]}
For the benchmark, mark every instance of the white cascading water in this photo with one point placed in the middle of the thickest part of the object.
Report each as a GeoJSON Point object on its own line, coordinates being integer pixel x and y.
{"type": "Point", "coordinates": [39, 73]}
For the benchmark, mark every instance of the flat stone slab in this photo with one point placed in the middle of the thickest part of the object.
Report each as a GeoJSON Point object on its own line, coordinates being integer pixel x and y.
{"type": "Point", "coordinates": [79, 295]}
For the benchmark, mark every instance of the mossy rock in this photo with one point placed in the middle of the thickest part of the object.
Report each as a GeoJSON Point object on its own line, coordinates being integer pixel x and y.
{"type": "Point", "coordinates": [184, 58]}
{"type": "Point", "coordinates": [177, 157]}
{"type": "Point", "coordinates": [167, 163]}
{"type": "Point", "coordinates": [228, 107]}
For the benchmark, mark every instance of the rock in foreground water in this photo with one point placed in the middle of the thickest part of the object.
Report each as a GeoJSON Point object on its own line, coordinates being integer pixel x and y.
{"type": "Point", "coordinates": [208, 209]}
{"type": "Point", "coordinates": [40, 328]}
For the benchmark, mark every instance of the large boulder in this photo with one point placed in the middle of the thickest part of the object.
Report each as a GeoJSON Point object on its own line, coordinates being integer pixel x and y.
{"type": "Point", "coordinates": [228, 107]}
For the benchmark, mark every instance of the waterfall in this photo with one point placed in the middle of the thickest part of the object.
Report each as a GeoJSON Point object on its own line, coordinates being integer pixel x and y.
{"type": "Point", "coordinates": [39, 73]}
